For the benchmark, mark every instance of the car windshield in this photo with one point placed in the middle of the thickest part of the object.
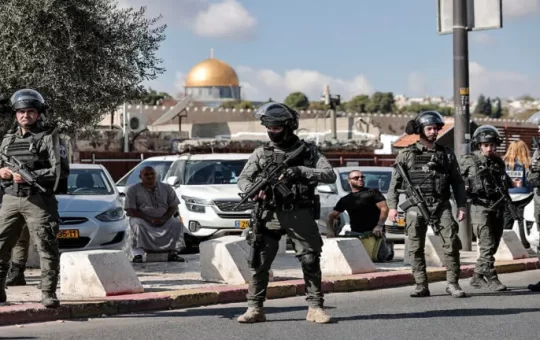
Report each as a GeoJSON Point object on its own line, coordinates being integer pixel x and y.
{"type": "Point", "coordinates": [374, 180]}
{"type": "Point", "coordinates": [89, 182]}
{"type": "Point", "coordinates": [132, 177]}
{"type": "Point", "coordinates": [212, 171]}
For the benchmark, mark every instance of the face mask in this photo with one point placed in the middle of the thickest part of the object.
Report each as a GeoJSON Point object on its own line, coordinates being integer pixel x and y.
{"type": "Point", "coordinates": [277, 137]}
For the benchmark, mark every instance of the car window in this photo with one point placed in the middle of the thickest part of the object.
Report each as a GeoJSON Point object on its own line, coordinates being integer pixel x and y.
{"type": "Point", "coordinates": [132, 177]}
{"type": "Point", "coordinates": [374, 180]}
{"type": "Point", "coordinates": [212, 171]}
{"type": "Point", "coordinates": [89, 182]}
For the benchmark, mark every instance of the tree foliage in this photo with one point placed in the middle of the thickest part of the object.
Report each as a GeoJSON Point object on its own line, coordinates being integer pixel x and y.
{"type": "Point", "coordinates": [417, 108]}
{"type": "Point", "coordinates": [237, 104]}
{"type": "Point", "coordinates": [85, 57]}
{"type": "Point", "coordinates": [297, 100]}
{"type": "Point", "coordinates": [152, 97]}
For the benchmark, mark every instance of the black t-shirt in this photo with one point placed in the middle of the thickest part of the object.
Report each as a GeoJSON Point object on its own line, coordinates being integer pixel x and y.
{"type": "Point", "coordinates": [362, 208]}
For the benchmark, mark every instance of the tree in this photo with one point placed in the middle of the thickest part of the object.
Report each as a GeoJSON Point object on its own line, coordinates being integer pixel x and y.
{"type": "Point", "coordinates": [417, 108]}
{"type": "Point", "coordinates": [488, 109]}
{"type": "Point", "coordinates": [381, 102]}
{"type": "Point", "coordinates": [526, 98]}
{"type": "Point", "coordinates": [154, 98]}
{"type": "Point", "coordinates": [480, 104]}
{"type": "Point", "coordinates": [85, 57]}
{"type": "Point", "coordinates": [297, 100]}
{"type": "Point", "coordinates": [358, 103]}
{"type": "Point", "coordinates": [498, 111]}
{"type": "Point", "coordinates": [237, 104]}
{"type": "Point", "coordinates": [317, 106]}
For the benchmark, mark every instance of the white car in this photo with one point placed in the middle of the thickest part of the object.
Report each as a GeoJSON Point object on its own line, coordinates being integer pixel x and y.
{"type": "Point", "coordinates": [91, 213]}
{"type": "Point", "coordinates": [160, 163]}
{"type": "Point", "coordinates": [206, 185]}
{"type": "Point", "coordinates": [376, 177]}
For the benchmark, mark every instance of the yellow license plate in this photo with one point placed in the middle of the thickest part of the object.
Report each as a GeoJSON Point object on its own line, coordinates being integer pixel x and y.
{"type": "Point", "coordinates": [401, 222]}
{"type": "Point", "coordinates": [243, 224]}
{"type": "Point", "coordinates": [68, 233]}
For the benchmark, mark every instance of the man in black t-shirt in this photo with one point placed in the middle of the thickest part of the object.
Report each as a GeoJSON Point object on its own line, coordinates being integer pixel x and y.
{"type": "Point", "coordinates": [366, 207]}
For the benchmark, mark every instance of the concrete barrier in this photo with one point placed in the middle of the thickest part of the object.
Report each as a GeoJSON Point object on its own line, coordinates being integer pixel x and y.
{"type": "Point", "coordinates": [345, 256]}
{"type": "Point", "coordinates": [510, 247]}
{"type": "Point", "coordinates": [225, 259]}
{"type": "Point", "coordinates": [97, 273]}
{"type": "Point", "coordinates": [433, 251]}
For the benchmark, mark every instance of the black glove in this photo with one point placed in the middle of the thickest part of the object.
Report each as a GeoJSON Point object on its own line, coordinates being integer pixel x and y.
{"type": "Point", "coordinates": [292, 173]}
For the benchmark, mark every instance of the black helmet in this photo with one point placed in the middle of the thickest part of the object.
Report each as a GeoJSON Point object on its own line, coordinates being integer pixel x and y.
{"type": "Point", "coordinates": [425, 118]}
{"type": "Point", "coordinates": [28, 98]}
{"type": "Point", "coordinates": [487, 134]}
{"type": "Point", "coordinates": [277, 114]}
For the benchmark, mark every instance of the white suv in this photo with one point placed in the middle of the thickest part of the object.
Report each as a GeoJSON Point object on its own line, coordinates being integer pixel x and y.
{"type": "Point", "coordinates": [206, 185]}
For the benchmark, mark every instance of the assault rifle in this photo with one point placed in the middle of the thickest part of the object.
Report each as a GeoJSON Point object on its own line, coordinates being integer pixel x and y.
{"type": "Point", "coordinates": [268, 178]}
{"type": "Point", "coordinates": [22, 169]}
{"type": "Point", "coordinates": [502, 192]}
{"type": "Point", "coordinates": [415, 198]}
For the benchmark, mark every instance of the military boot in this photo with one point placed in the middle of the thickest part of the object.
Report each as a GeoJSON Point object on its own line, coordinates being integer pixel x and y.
{"type": "Point", "coordinates": [421, 290]}
{"type": "Point", "coordinates": [477, 281]}
{"type": "Point", "coordinates": [3, 296]}
{"type": "Point", "coordinates": [49, 299]}
{"type": "Point", "coordinates": [455, 290]}
{"type": "Point", "coordinates": [535, 287]}
{"type": "Point", "coordinates": [495, 285]}
{"type": "Point", "coordinates": [252, 315]}
{"type": "Point", "coordinates": [16, 275]}
{"type": "Point", "coordinates": [318, 315]}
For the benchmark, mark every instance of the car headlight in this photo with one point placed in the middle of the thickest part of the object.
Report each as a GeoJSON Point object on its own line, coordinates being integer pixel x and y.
{"type": "Point", "coordinates": [196, 204]}
{"type": "Point", "coordinates": [111, 215]}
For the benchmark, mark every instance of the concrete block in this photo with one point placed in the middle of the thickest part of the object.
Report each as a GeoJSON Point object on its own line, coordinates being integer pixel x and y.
{"type": "Point", "coordinates": [510, 247]}
{"type": "Point", "coordinates": [533, 237]}
{"type": "Point", "coordinates": [282, 245]}
{"type": "Point", "coordinates": [225, 259]}
{"type": "Point", "coordinates": [433, 251]}
{"type": "Point", "coordinates": [345, 256]}
{"type": "Point", "coordinates": [97, 273]}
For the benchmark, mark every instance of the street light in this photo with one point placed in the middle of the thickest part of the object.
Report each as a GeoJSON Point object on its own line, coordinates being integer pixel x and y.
{"type": "Point", "coordinates": [332, 103]}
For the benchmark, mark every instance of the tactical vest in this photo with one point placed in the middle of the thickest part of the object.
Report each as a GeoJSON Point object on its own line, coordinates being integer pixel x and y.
{"type": "Point", "coordinates": [303, 189]}
{"type": "Point", "coordinates": [430, 171]}
{"type": "Point", "coordinates": [489, 182]}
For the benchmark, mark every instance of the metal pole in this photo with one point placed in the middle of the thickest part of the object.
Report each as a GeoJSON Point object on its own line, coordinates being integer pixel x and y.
{"type": "Point", "coordinates": [461, 101]}
{"type": "Point", "coordinates": [126, 134]}
{"type": "Point", "coordinates": [334, 122]}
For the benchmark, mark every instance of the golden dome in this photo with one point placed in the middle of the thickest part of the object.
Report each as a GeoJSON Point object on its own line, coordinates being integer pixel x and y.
{"type": "Point", "coordinates": [212, 72]}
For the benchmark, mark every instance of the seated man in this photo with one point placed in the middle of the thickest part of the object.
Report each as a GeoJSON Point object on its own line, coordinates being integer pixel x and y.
{"type": "Point", "coordinates": [151, 206]}
{"type": "Point", "coordinates": [367, 210]}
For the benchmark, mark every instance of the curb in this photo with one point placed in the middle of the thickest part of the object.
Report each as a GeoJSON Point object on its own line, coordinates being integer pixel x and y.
{"type": "Point", "coordinates": [187, 298]}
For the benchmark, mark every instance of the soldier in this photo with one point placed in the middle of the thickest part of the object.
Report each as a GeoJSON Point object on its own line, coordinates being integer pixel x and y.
{"type": "Point", "coordinates": [296, 218]}
{"type": "Point", "coordinates": [434, 168]}
{"type": "Point", "coordinates": [484, 171]}
{"type": "Point", "coordinates": [37, 147]}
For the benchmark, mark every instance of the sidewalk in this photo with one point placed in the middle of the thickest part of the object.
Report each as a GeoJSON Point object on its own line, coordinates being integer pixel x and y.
{"type": "Point", "coordinates": [179, 285]}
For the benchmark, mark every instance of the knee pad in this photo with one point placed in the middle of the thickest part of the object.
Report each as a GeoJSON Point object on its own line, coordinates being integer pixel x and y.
{"type": "Point", "coordinates": [310, 261]}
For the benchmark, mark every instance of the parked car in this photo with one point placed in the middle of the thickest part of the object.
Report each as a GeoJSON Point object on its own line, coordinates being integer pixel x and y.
{"type": "Point", "coordinates": [91, 213]}
{"type": "Point", "coordinates": [160, 163]}
{"type": "Point", "coordinates": [206, 185]}
{"type": "Point", "coordinates": [376, 177]}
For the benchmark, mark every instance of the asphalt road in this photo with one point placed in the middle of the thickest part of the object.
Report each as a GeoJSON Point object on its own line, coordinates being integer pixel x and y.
{"type": "Point", "coordinates": [381, 314]}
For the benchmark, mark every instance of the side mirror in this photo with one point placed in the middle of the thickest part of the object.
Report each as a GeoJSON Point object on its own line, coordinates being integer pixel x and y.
{"type": "Point", "coordinates": [173, 180]}
{"type": "Point", "coordinates": [122, 194]}
{"type": "Point", "coordinates": [325, 189]}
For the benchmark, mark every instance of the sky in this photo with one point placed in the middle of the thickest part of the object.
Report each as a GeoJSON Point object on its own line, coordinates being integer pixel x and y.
{"type": "Point", "coordinates": [355, 46]}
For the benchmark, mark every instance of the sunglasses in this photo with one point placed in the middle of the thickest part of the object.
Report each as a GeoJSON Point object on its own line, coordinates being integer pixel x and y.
{"type": "Point", "coordinates": [356, 178]}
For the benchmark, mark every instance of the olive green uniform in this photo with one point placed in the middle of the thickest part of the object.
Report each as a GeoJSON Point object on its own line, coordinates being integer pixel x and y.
{"type": "Point", "coordinates": [446, 174]}
{"type": "Point", "coordinates": [298, 223]}
{"type": "Point", "coordinates": [24, 204]}
{"type": "Point", "coordinates": [488, 225]}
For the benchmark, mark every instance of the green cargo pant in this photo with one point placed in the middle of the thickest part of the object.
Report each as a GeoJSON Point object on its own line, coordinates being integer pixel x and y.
{"type": "Point", "coordinates": [35, 211]}
{"type": "Point", "coordinates": [416, 232]}
{"type": "Point", "coordinates": [20, 251]}
{"type": "Point", "coordinates": [488, 227]}
{"type": "Point", "coordinates": [303, 231]}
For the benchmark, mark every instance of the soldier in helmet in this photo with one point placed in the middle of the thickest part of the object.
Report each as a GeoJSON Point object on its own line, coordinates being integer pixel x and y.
{"type": "Point", "coordinates": [37, 147]}
{"type": "Point", "coordinates": [434, 168]}
{"type": "Point", "coordinates": [296, 218]}
{"type": "Point", "coordinates": [484, 171]}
